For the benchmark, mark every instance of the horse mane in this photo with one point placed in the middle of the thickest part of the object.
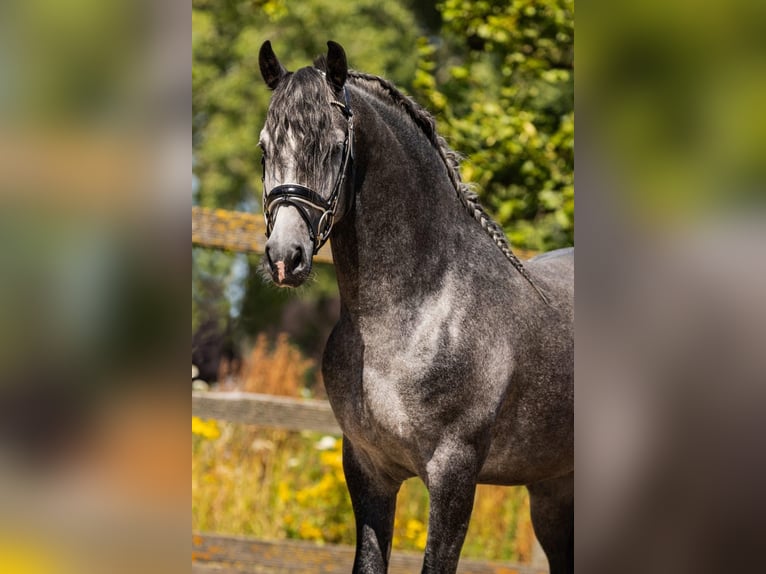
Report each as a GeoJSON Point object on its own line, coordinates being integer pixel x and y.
{"type": "Point", "coordinates": [427, 124]}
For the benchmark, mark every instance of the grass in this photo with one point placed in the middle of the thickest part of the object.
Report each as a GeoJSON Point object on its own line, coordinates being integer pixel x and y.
{"type": "Point", "coordinates": [275, 484]}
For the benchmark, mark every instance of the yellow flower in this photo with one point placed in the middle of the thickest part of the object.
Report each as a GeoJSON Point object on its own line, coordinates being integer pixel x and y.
{"type": "Point", "coordinates": [331, 458]}
{"type": "Point", "coordinates": [420, 543]}
{"type": "Point", "coordinates": [413, 527]}
{"type": "Point", "coordinates": [416, 532]}
{"type": "Point", "coordinates": [208, 429]}
{"type": "Point", "coordinates": [309, 531]}
{"type": "Point", "coordinates": [283, 492]}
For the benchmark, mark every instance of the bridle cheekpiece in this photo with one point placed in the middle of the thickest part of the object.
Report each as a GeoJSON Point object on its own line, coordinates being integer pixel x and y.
{"type": "Point", "coordinates": [318, 213]}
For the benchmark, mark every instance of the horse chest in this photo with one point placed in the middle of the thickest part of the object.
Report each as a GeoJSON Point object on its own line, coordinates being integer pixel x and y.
{"type": "Point", "coordinates": [377, 408]}
{"type": "Point", "coordinates": [393, 377]}
{"type": "Point", "coordinates": [386, 405]}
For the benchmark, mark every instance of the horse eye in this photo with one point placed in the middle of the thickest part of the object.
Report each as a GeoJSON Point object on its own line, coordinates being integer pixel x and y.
{"type": "Point", "coordinates": [263, 164]}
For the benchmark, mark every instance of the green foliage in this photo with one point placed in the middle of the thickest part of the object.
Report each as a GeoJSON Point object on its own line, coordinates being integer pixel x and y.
{"type": "Point", "coordinates": [501, 81]}
{"type": "Point", "coordinates": [209, 304]}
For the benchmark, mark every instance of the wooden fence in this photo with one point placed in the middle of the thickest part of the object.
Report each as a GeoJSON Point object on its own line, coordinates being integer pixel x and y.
{"type": "Point", "coordinates": [246, 232]}
{"type": "Point", "coordinates": [266, 410]}
{"type": "Point", "coordinates": [235, 231]}
{"type": "Point", "coordinates": [217, 554]}
{"type": "Point", "coordinates": [236, 555]}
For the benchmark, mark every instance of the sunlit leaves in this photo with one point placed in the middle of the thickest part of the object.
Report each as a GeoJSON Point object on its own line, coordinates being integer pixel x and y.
{"type": "Point", "coordinates": [506, 103]}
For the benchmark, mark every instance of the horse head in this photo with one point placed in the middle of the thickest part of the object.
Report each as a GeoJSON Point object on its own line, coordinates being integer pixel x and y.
{"type": "Point", "coordinates": [306, 142]}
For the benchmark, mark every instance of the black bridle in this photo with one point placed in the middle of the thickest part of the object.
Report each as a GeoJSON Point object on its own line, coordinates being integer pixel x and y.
{"type": "Point", "coordinates": [318, 213]}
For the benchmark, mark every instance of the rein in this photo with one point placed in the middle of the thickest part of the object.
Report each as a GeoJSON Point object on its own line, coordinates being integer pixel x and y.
{"type": "Point", "coordinates": [318, 213]}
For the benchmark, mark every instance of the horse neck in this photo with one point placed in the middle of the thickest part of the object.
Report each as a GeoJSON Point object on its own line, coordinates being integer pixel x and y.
{"type": "Point", "coordinates": [402, 236]}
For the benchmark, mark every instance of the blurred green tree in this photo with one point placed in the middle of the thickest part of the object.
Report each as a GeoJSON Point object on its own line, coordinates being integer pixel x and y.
{"type": "Point", "coordinates": [500, 79]}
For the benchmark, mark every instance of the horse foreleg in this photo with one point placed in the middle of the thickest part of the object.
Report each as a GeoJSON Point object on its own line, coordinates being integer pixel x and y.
{"type": "Point", "coordinates": [552, 509]}
{"type": "Point", "coordinates": [451, 484]}
{"type": "Point", "coordinates": [374, 501]}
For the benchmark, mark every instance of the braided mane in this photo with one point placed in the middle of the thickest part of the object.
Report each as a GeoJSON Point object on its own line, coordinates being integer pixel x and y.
{"type": "Point", "coordinates": [468, 197]}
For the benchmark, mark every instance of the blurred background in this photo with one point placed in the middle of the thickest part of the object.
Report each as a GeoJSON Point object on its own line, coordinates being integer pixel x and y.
{"type": "Point", "coordinates": [94, 163]}
{"type": "Point", "coordinates": [499, 78]}
{"type": "Point", "coordinates": [94, 167]}
{"type": "Point", "coordinates": [671, 286]}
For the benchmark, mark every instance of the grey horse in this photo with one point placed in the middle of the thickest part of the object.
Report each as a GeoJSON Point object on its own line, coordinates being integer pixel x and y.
{"type": "Point", "coordinates": [451, 361]}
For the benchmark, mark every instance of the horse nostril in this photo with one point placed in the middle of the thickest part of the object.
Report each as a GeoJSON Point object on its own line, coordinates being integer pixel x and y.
{"type": "Point", "coordinates": [297, 258]}
{"type": "Point", "coordinates": [269, 260]}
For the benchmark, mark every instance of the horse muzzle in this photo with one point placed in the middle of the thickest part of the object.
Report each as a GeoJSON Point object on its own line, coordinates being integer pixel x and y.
{"type": "Point", "coordinates": [288, 254]}
{"type": "Point", "coordinates": [289, 267]}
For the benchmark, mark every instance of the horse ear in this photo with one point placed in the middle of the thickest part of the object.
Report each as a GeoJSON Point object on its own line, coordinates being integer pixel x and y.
{"type": "Point", "coordinates": [337, 66]}
{"type": "Point", "coordinates": [271, 70]}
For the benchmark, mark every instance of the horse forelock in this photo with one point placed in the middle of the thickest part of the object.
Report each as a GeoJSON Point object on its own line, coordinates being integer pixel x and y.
{"type": "Point", "coordinates": [300, 113]}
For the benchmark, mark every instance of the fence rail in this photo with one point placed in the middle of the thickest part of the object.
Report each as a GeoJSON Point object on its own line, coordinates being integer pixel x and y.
{"type": "Point", "coordinates": [266, 410]}
{"type": "Point", "coordinates": [215, 554]}
{"type": "Point", "coordinates": [246, 233]}
{"type": "Point", "coordinates": [235, 231]}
